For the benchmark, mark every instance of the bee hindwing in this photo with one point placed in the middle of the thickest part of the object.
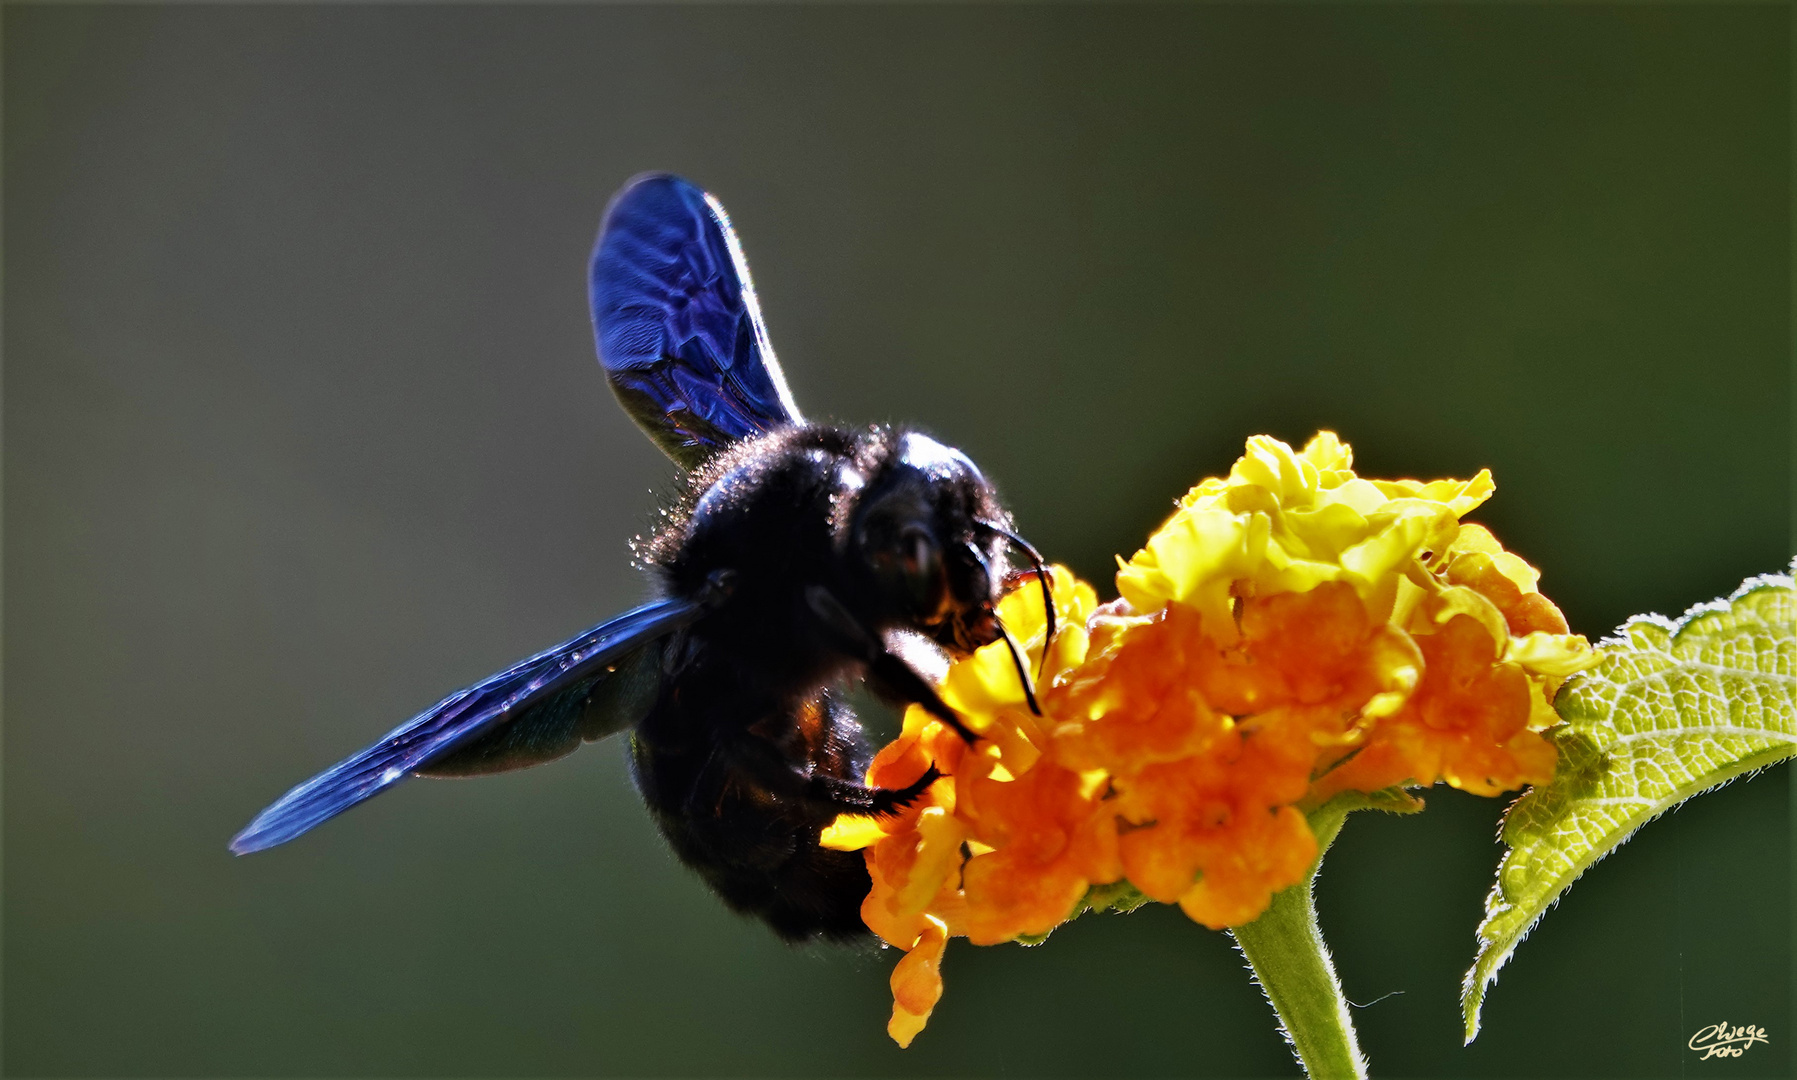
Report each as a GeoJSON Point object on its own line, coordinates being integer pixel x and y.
{"type": "Point", "coordinates": [558, 696]}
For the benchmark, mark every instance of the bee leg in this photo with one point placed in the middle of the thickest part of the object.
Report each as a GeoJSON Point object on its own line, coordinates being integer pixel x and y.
{"type": "Point", "coordinates": [901, 680]}
{"type": "Point", "coordinates": [886, 668]}
{"type": "Point", "coordinates": [844, 796]}
{"type": "Point", "coordinates": [780, 777]}
{"type": "Point", "coordinates": [887, 801]}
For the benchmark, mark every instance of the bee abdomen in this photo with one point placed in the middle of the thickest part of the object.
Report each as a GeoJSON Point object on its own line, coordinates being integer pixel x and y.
{"type": "Point", "coordinates": [755, 846]}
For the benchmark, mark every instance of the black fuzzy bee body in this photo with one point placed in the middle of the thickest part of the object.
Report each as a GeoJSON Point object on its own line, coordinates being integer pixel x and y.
{"type": "Point", "coordinates": [757, 849]}
{"type": "Point", "coordinates": [749, 751]}
{"type": "Point", "coordinates": [802, 558]}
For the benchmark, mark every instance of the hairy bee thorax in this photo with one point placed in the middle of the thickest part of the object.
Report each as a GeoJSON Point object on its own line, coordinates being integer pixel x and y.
{"type": "Point", "coordinates": [895, 525]}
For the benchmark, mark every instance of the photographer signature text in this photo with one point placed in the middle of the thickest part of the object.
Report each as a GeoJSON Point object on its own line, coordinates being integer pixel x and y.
{"type": "Point", "coordinates": [1722, 1040]}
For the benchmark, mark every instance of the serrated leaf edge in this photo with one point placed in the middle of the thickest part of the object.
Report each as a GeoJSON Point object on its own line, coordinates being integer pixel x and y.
{"type": "Point", "coordinates": [1486, 965]}
{"type": "Point", "coordinates": [1484, 971]}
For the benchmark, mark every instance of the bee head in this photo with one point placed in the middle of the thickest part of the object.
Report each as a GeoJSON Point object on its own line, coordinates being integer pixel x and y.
{"type": "Point", "coordinates": [928, 531]}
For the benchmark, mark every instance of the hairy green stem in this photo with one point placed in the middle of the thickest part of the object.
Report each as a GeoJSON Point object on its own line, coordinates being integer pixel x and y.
{"type": "Point", "coordinates": [1289, 958]}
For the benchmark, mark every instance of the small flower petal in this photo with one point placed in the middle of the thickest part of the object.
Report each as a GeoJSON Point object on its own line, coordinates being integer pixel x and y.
{"type": "Point", "coordinates": [917, 983]}
{"type": "Point", "coordinates": [851, 832]}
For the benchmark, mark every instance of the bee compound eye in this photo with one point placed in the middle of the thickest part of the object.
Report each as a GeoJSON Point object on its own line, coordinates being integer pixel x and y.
{"type": "Point", "coordinates": [920, 560]}
{"type": "Point", "coordinates": [919, 551]}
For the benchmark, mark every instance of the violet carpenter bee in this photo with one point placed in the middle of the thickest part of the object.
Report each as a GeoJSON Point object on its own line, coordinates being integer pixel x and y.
{"type": "Point", "coordinates": [798, 559]}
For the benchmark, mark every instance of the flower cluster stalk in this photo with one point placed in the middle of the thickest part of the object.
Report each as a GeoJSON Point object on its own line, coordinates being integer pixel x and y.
{"type": "Point", "coordinates": [1291, 962]}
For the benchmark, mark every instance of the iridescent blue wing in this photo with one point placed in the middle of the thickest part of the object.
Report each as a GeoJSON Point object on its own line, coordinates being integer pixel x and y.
{"type": "Point", "coordinates": [583, 689]}
{"type": "Point", "coordinates": [677, 325]}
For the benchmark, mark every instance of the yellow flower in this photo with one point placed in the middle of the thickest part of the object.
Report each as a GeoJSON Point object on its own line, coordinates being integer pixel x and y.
{"type": "Point", "coordinates": [1291, 632]}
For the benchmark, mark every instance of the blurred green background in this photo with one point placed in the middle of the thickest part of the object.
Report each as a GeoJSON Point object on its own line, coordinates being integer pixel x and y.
{"type": "Point", "coordinates": [303, 430]}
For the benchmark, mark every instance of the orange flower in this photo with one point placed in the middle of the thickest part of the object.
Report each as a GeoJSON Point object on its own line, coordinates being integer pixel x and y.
{"type": "Point", "coordinates": [1292, 632]}
{"type": "Point", "coordinates": [917, 983]}
{"type": "Point", "coordinates": [1052, 837]}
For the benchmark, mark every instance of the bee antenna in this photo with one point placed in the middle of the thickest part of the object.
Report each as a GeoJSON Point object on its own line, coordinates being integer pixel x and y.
{"type": "Point", "coordinates": [1023, 671]}
{"type": "Point", "coordinates": [1035, 558]}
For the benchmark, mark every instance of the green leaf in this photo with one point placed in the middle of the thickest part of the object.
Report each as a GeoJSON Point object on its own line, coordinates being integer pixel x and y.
{"type": "Point", "coordinates": [1674, 710]}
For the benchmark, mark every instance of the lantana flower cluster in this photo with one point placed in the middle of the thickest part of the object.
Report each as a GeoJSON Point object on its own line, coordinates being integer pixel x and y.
{"type": "Point", "coordinates": [1292, 632]}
